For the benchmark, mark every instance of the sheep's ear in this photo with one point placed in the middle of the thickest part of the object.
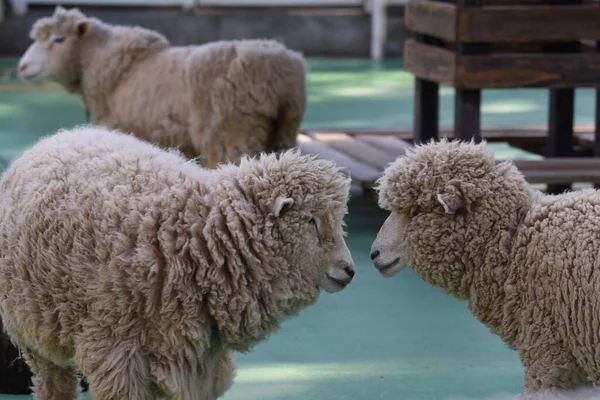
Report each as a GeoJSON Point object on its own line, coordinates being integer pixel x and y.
{"type": "Point", "coordinates": [281, 205]}
{"type": "Point", "coordinates": [451, 198]}
{"type": "Point", "coordinates": [59, 10]}
{"type": "Point", "coordinates": [82, 28]}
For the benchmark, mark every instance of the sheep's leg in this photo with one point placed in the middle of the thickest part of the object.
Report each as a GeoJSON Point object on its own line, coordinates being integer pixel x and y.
{"type": "Point", "coordinates": [224, 374]}
{"type": "Point", "coordinates": [551, 367]}
{"type": "Point", "coordinates": [178, 381]}
{"type": "Point", "coordinates": [115, 370]}
{"type": "Point", "coordinates": [50, 381]}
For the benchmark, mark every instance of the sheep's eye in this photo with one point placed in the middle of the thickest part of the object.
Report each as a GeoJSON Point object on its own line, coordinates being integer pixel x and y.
{"type": "Point", "coordinates": [316, 222]}
{"type": "Point", "coordinates": [58, 40]}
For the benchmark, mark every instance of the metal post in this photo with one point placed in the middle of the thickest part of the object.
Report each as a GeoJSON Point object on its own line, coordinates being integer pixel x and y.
{"type": "Point", "coordinates": [378, 28]}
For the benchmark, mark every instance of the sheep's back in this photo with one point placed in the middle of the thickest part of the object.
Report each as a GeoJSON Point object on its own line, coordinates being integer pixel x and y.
{"type": "Point", "coordinates": [152, 97]}
{"type": "Point", "coordinates": [263, 74]}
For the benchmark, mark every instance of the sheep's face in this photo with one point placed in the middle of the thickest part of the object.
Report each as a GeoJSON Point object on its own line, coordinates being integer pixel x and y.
{"type": "Point", "coordinates": [317, 248]}
{"type": "Point", "coordinates": [300, 202]}
{"type": "Point", "coordinates": [279, 221]}
{"type": "Point", "coordinates": [54, 54]}
{"type": "Point", "coordinates": [444, 212]}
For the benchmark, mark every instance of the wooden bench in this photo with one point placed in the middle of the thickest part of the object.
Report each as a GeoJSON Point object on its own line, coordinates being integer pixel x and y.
{"type": "Point", "coordinates": [479, 44]}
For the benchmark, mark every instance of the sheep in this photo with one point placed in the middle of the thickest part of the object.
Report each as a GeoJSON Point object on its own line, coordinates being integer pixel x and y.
{"type": "Point", "coordinates": [215, 102]}
{"type": "Point", "coordinates": [525, 261]}
{"type": "Point", "coordinates": [145, 271]}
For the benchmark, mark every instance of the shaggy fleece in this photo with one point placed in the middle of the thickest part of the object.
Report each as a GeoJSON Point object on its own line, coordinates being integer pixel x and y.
{"type": "Point", "coordinates": [215, 102]}
{"type": "Point", "coordinates": [144, 271]}
{"type": "Point", "coordinates": [526, 262]}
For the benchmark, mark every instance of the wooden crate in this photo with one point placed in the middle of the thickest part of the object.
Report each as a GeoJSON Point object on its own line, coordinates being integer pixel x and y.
{"type": "Point", "coordinates": [473, 45]}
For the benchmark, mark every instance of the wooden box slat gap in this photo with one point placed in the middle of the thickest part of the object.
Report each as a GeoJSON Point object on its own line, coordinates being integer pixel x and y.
{"type": "Point", "coordinates": [505, 23]}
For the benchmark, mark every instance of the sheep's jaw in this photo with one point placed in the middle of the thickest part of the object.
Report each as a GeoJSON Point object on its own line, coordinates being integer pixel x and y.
{"type": "Point", "coordinates": [390, 269]}
{"type": "Point", "coordinates": [336, 279]}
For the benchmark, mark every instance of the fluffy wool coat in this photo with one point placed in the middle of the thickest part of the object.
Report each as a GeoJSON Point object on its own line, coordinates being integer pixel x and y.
{"type": "Point", "coordinates": [526, 262]}
{"type": "Point", "coordinates": [143, 270]}
{"type": "Point", "coordinates": [216, 101]}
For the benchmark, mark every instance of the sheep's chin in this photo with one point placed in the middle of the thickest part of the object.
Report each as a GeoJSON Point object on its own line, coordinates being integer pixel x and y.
{"type": "Point", "coordinates": [393, 269]}
{"type": "Point", "coordinates": [331, 285]}
{"type": "Point", "coordinates": [31, 75]}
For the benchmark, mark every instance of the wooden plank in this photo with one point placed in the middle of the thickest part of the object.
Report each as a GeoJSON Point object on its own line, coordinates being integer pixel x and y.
{"type": "Point", "coordinates": [534, 134]}
{"type": "Point", "coordinates": [525, 23]}
{"type": "Point", "coordinates": [389, 144]}
{"type": "Point", "coordinates": [560, 163]}
{"type": "Point", "coordinates": [358, 150]}
{"type": "Point", "coordinates": [518, 70]}
{"type": "Point", "coordinates": [429, 62]}
{"type": "Point", "coordinates": [432, 18]}
{"type": "Point", "coordinates": [356, 170]}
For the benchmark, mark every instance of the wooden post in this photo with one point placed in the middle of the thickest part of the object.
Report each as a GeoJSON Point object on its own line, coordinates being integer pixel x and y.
{"type": "Point", "coordinates": [561, 111]}
{"type": "Point", "coordinates": [467, 102]}
{"type": "Point", "coordinates": [597, 122]}
{"type": "Point", "coordinates": [560, 129]}
{"type": "Point", "coordinates": [426, 106]}
{"type": "Point", "coordinates": [15, 375]}
{"type": "Point", "coordinates": [467, 115]}
{"type": "Point", "coordinates": [426, 111]}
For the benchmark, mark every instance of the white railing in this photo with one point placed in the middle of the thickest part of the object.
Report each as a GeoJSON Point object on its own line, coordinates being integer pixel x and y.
{"type": "Point", "coordinates": [377, 9]}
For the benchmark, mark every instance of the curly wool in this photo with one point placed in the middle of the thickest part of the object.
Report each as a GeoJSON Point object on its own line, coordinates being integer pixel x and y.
{"type": "Point", "coordinates": [526, 262]}
{"type": "Point", "coordinates": [139, 268]}
{"type": "Point", "coordinates": [215, 102]}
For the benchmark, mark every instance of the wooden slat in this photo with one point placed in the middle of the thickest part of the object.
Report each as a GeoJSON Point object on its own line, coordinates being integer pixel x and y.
{"type": "Point", "coordinates": [564, 164]}
{"type": "Point", "coordinates": [550, 171]}
{"type": "Point", "coordinates": [429, 62]}
{"type": "Point", "coordinates": [359, 150]}
{"type": "Point", "coordinates": [431, 18]}
{"type": "Point", "coordinates": [522, 70]}
{"type": "Point", "coordinates": [356, 170]}
{"type": "Point", "coordinates": [501, 70]}
{"type": "Point", "coordinates": [528, 23]}
{"type": "Point", "coordinates": [534, 133]}
{"type": "Point", "coordinates": [502, 22]}
{"type": "Point", "coordinates": [390, 144]}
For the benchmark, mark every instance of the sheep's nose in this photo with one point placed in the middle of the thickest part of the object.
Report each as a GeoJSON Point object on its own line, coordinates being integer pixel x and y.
{"type": "Point", "coordinates": [22, 67]}
{"type": "Point", "coordinates": [349, 271]}
{"type": "Point", "coordinates": [374, 255]}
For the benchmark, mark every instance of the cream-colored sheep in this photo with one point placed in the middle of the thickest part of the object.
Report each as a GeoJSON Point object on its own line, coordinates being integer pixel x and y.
{"type": "Point", "coordinates": [144, 271]}
{"type": "Point", "coordinates": [216, 101]}
{"type": "Point", "coordinates": [527, 263]}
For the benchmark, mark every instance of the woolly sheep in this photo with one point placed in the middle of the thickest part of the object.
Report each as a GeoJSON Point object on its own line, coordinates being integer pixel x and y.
{"type": "Point", "coordinates": [215, 102]}
{"type": "Point", "coordinates": [526, 262]}
{"type": "Point", "coordinates": [144, 271]}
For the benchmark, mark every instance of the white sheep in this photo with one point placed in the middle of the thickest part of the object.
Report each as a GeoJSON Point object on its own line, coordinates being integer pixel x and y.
{"type": "Point", "coordinates": [215, 102]}
{"type": "Point", "coordinates": [144, 271]}
{"type": "Point", "coordinates": [526, 262]}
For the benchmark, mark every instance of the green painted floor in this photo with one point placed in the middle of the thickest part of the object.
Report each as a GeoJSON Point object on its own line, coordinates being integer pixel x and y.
{"type": "Point", "coordinates": [378, 339]}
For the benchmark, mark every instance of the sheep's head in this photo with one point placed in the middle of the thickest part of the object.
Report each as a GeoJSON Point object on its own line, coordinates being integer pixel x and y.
{"type": "Point", "coordinates": [54, 53]}
{"type": "Point", "coordinates": [285, 216]}
{"type": "Point", "coordinates": [447, 201]}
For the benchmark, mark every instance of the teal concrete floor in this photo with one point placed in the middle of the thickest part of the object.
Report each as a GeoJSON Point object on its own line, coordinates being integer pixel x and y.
{"type": "Point", "coordinates": [379, 339]}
